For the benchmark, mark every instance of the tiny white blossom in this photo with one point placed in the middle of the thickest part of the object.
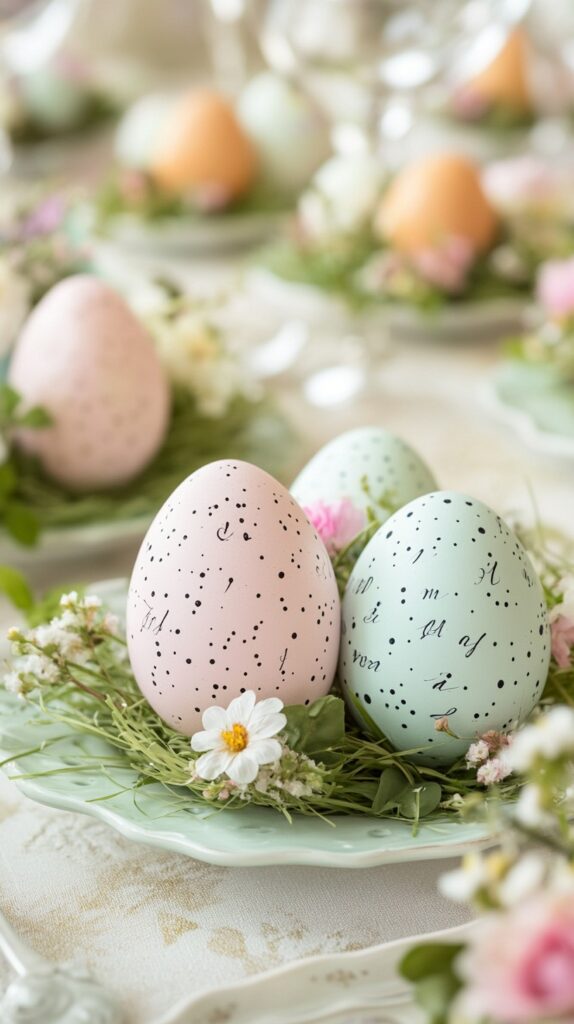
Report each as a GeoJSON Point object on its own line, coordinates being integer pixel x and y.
{"type": "Point", "coordinates": [477, 753]}
{"type": "Point", "coordinates": [69, 600]}
{"type": "Point", "coordinates": [523, 879]}
{"type": "Point", "coordinates": [13, 682]}
{"type": "Point", "coordinates": [464, 883]}
{"type": "Point", "coordinates": [237, 740]}
{"type": "Point", "coordinates": [530, 811]}
{"type": "Point", "coordinates": [550, 737]}
{"type": "Point", "coordinates": [91, 602]}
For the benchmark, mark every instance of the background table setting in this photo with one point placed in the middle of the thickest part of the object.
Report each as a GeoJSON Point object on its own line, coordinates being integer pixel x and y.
{"type": "Point", "coordinates": [279, 281]}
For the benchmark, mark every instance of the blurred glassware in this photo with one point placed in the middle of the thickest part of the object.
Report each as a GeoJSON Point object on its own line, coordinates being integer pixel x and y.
{"type": "Point", "coordinates": [365, 60]}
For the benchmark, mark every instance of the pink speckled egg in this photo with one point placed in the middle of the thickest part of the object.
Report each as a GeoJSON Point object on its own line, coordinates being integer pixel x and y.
{"type": "Point", "coordinates": [85, 357]}
{"type": "Point", "coordinates": [232, 590]}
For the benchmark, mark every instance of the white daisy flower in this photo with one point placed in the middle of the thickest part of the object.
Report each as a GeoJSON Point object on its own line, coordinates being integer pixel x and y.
{"type": "Point", "coordinates": [237, 740]}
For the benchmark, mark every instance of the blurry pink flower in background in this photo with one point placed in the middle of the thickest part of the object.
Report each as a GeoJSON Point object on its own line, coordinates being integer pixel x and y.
{"type": "Point", "coordinates": [133, 186]}
{"type": "Point", "coordinates": [44, 219]}
{"type": "Point", "coordinates": [447, 265]}
{"type": "Point", "coordinates": [337, 524]}
{"type": "Point", "coordinates": [562, 632]}
{"type": "Point", "coordinates": [555, 287]}
{"type": "Point", "coordinates": [523, 182]}
{"type": "Point", "coordinates": [468, 104]}
{"type": "Point", "coordinates": [520, 966]}
{"type": "Point", "coordinates": [210, 198]}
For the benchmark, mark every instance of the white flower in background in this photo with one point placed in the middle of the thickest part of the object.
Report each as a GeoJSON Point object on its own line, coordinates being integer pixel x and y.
{"type": "Point", "coordinates": [237, 740]}
{"type": "Point", "coordinates": [478, 753]}
{"type": "Point", "coordinates": [196, 358]}
{"type": "Point", "coordinates": [492, 771]}
{"type": "Point", "coordinates": [13, 683]}
{"type": "Point", "coordinates": [14, 305]}
{"type": "Point", "coordinates": [465, 882]}
{"type": "Point", "coordinates": [529, 184]}
{"type": "Point", "coordinates": [550, 737]}
{"type": "Point", "coordinates": [342, 198]}
{"type": "Point", "coordinates": [566, 606]}
{"type": "Point", "coordinates": [522, 880]}
{"type": "Point", "coordinates": [530, 811]}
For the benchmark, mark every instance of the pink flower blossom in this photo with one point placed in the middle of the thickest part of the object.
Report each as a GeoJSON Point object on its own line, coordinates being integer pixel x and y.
{"type": "Point", "coordinates": [133, 186]}
{"type": "Point", "coordinates": [519, 966]}
{"type": "Point", "coordinates": [337, 524]}
{"type": "Point", "coordinates": [555, 287]}
{"type": "Point", "coordinates": [562, 633]}
{"type": "Point", "coordinates": [447, 265]}
{"type": "Point", "coordinates": [211, 198]}
{"type": "Point", "coordinates": [525, 182]}
{"type": "Point", "coordinates": [468, 104]}
{"type": "Point", "coordinates": [492, 771]}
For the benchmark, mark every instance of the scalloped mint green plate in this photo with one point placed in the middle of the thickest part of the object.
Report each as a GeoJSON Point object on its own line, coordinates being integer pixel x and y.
{"type": "Point", "coordinates": [253, 836]}
{"type": "Point", "coordinates": [537, 404]}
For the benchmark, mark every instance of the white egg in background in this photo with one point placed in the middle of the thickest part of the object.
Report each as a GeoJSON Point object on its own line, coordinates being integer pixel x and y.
{"type": "Point", "coordinates": [288, 129]}
{"type": "Point", "coordinates": [443, 617]}
{"type": "Point", "coordinates": [139, 129]}
{"type": "Point", "coordinates": [342, 197]}
{"type": "Point", "coordinates": [364, 465]}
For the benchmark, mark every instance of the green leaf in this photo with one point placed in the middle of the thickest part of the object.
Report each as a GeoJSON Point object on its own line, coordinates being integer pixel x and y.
{"type": "Point", "coordinates": [37, 417]}
{"type": "Point", "coordinates": [14, 585]}
{"type": "Point", "coordinates": [420, 800]}
{"type": "Point", "coordinates": [317, 728]}
{"type": "Point", "coordinates": [9, 402]}
{"type": "Point", "coordinates": [21, 523]}
{"type": "Point", "coordinates": [391, 785]}
{"type": "Point", "coordinates": [8, 479]}
{"type": "Point", "coordinates": [429, 958]}
{"type": "Point", "coordinates": [435, 995]}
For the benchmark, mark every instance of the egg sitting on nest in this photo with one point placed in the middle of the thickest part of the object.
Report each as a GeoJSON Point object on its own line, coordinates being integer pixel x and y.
{"type": "Point", "coordinates": [434, 200]}
{"type": "Point", "coordinates": [202, 150]}
{"type": "Point", "coordinates": [87, 360]}
{"type": "Point", "coordinates": [505, 81]}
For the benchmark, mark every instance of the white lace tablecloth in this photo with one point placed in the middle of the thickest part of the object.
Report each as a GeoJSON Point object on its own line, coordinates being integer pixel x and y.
{"type": "Point", "coordinates": [156, 927]}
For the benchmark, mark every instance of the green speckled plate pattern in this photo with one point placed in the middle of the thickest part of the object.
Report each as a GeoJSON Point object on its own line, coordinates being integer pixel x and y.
{"type": "Point", "coordinates": [537, 403]}
{"type": "Point", "coordinates": [77, 780]}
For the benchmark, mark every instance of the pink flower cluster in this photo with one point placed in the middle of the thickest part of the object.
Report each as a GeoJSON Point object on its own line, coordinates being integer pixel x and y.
{"type": "Point", "coordinates": [562, 633]}
{"type": "Point", "coordinates": [337, 524]}
{"type": "Point", "coordinates": [555, 288]}
{"type": "Point", "coordinates": [446, 265]}
{"type": "Point", "coordinates": [519, 966]}
{"type": "Point", "coordinates": [484, 755]}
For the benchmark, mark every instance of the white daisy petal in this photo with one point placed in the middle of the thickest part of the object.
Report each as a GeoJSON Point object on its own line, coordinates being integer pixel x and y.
{"type": "Point", "coordinates": [268, 726]}
{"type": "Point", "coordinates": [212, 765]}
{"type": "Point", "coordinates": [241, 707]}
{"type": "Point", "coordinates": [243, 768]}
{"type": "Point", "coordinates": [265, 751]}
{"type": "Point", "coordinates": [269, 706]}
{"type": "Point", "coordinates": [208, 740]}
{"type": "Point", "coordinates": [214, 718]}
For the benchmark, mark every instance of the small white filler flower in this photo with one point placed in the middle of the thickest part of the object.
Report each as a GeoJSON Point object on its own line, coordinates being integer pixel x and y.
{"type": "Point", "coordinates": [237, 740]}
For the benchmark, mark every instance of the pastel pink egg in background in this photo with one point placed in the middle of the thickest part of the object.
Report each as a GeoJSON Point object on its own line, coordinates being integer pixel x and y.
{"type": "Point", "coordinates": [87, 360]}
{"type": "Point", "coordinates": [232, 590]}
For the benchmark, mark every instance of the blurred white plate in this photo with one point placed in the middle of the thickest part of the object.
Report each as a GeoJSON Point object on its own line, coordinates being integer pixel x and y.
{"type": "Point", "coordinates": [73, 542]}
{"type": "Point", "coordinates": [479, 321]}
{"type": "Point", "coordinates": [536, 405]}
{"type": "Point", "coordinates": [186, 236]}
{"type": "Point", "coordinates": [360, 987]}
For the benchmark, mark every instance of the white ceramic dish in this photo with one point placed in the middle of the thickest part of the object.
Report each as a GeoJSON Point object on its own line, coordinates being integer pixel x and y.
{"type": "Point", "coordinates": [536, 417]}
{"type": "Point", "coordinates": [180, 237]}
{"type": "Point", "coordinates": [361, 987]}
{"type": "Point", "coordinates": [454, 324]}
{"type": "Point", "coordinates": [74, 542]}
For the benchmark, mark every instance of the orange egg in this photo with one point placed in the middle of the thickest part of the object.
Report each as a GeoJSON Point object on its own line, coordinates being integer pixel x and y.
{"type": "Point", "coordinates": [505, 81]}
{"type": "Point", "coordinates": [435, 199]}
{"type": "Point", "coordinates": [203, 149]}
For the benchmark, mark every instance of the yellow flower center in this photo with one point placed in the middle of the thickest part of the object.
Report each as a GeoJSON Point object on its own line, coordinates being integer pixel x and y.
{"type": "Point", "coordinates": [236, 738]}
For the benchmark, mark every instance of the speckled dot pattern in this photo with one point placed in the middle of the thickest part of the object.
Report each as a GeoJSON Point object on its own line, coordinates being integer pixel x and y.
{"type": "Point", "coordinates": [85, 357]}
{"type": "Point", "coordinates": [443, 615]}
{"type": "Point", "coordinates": [232, 590]}
{"type": "Point", "coordinates": [367, 455]}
